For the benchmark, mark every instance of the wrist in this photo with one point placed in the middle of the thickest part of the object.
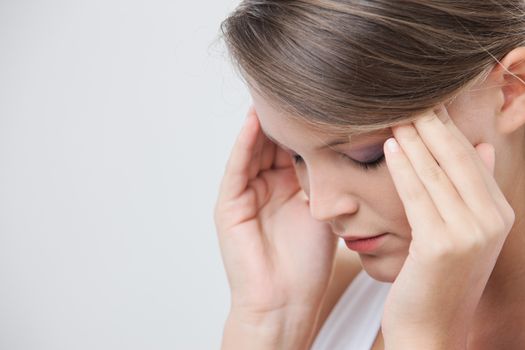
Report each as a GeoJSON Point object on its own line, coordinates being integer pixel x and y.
{"type": "Point", "coordinates": [275, 331]}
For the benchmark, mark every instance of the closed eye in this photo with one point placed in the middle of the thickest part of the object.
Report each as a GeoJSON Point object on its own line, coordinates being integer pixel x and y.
{"type": "Point", "coordinates": [369, 165]}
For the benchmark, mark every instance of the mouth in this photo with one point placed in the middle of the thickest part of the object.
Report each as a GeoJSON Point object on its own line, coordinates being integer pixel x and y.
{"type": "Point", "coordinates": [363, 244]}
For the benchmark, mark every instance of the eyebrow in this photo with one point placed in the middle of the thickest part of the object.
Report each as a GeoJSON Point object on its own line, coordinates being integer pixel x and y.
{"type": "Point", "coordinates": [328, 144]}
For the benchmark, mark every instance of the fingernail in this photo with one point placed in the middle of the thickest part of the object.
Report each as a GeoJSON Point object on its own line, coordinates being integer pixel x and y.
{"type": "Point", "coordinates": [392, 145]}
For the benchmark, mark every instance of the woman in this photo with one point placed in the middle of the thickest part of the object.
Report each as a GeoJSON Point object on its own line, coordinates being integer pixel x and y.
{"type": "Point", "coordinates": [398, 127]}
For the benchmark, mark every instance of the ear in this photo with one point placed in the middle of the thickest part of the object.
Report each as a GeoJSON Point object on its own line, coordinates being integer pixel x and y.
{"type": "Point", "coordinates": [511, 74]}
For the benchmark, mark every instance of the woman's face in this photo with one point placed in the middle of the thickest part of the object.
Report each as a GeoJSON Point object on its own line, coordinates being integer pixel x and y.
{"type": "Point", "coordinates": [364, 202]}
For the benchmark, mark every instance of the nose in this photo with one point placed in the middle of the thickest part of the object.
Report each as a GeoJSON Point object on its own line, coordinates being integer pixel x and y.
{"type": "Point", "coordinates": [330, 196]}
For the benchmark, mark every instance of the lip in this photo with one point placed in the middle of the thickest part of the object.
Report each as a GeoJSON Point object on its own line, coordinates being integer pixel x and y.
{"type": "Point", "coordinates": [365, 244]}
{"type": "Point", "coordinates": [356, 237]}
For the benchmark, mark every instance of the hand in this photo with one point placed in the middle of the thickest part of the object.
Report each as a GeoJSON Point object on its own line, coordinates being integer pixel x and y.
{"type": "Point", "coordinates": [459, 219]}
{"type": "Point", "coordinates": [278, 259]}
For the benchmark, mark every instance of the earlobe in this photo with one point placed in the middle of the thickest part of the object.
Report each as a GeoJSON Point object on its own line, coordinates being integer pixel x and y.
{"type": "Point", "coordinates": [511, 72]}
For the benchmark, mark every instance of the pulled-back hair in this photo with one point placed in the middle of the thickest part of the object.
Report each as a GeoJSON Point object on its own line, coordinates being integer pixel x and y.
{"type": "Point", "coordinates": [364, 65]}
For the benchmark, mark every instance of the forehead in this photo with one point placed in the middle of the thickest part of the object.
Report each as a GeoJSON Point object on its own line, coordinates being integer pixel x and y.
{"type": "Point", "coordinates": [277, 126]}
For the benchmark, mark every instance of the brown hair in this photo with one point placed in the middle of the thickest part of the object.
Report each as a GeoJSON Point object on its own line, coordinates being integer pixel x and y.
{"type": "Point", "coordinates": [357, 66]}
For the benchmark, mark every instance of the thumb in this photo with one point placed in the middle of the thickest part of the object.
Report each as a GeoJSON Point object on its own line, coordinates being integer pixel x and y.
{"type": "Point", "coordinates": [487, 154]}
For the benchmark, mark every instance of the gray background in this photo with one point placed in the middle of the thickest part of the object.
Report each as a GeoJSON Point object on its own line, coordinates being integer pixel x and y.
{"type": "Point", "coordinates": [116, 120]}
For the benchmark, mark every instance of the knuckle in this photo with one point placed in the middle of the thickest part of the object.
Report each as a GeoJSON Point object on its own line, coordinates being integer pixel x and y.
{"type": "Point", "coordinates": [495, 224]}
{"type": "Point", "coordinates": [441, 249]}
{"type": "Point", "coordinates": [457, 248]}
{"type": "Point", "coordinates": [469, 245]}
{"type": "Point", "coordinates": [509, 217]}
{"type": "Point", "coordinates": [473, 242]}
{"type": "Point", "coordinates": [414, 194]}
{"type": "Point", "coordinates": [461, 156]}
{"type": "Point", "coordinates": [432, 173]}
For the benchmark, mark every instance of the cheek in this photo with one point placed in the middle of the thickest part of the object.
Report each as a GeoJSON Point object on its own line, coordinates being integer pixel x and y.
{"type": "Point", "coordinates": [391, 205]}
{"type": "Point", "coordinates": [383, 197]}
{"type": "Point", "coordinates": [378, 191]}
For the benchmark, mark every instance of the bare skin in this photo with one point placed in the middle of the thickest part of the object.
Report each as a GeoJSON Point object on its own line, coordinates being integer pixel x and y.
{"type": "Point", "coordinates": [491, 314]}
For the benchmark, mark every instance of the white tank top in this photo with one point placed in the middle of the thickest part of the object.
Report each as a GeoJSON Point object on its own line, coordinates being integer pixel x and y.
{"type": "Point", "coordinates": [355, 319]}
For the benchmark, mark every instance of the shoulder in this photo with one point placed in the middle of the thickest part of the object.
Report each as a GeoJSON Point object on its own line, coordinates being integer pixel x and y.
{"type": "Point", "coordinates": [347, 266]}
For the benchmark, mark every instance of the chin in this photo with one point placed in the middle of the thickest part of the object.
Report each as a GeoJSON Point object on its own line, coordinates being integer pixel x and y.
{"type": "Point", "coordinates": [382, 268]}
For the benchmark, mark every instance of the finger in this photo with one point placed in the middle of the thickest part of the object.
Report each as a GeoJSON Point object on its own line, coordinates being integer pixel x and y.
{"type": "Point", "coordinates": [282, 159]}
{"type": "Point", "coordinates": [487, 153]}
{"type": "Point", "coordinates": [264, 154]}
{"type": "Point", "coordinates": [268, 155]}
{"type": "Point", "coordinates": [419, 208]}
{"type": "Point", "coordinates": [257, 154]}
{"type": "Point", "coordinates": [485, 160]}
{"type": "Point", "coordinates": [445, 118]}
{"type": "Point", "coordinates": [273, 157]}
{"type": "Point", "coordinates": [442, 192]}
{"type": "Point", "coordinates": [487, 174]}
{"type": "Point", "coordinates": [238, 165]}
{"type": "Point", "coordinates": [457, 161]}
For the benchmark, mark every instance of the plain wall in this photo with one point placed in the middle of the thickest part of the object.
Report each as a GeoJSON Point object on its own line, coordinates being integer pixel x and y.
{"type": "Point", "coordinates": [116, 121]}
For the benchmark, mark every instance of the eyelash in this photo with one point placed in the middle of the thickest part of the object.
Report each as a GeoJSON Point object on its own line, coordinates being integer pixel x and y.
{"type": "Point", "coordinates": [364, 165]}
